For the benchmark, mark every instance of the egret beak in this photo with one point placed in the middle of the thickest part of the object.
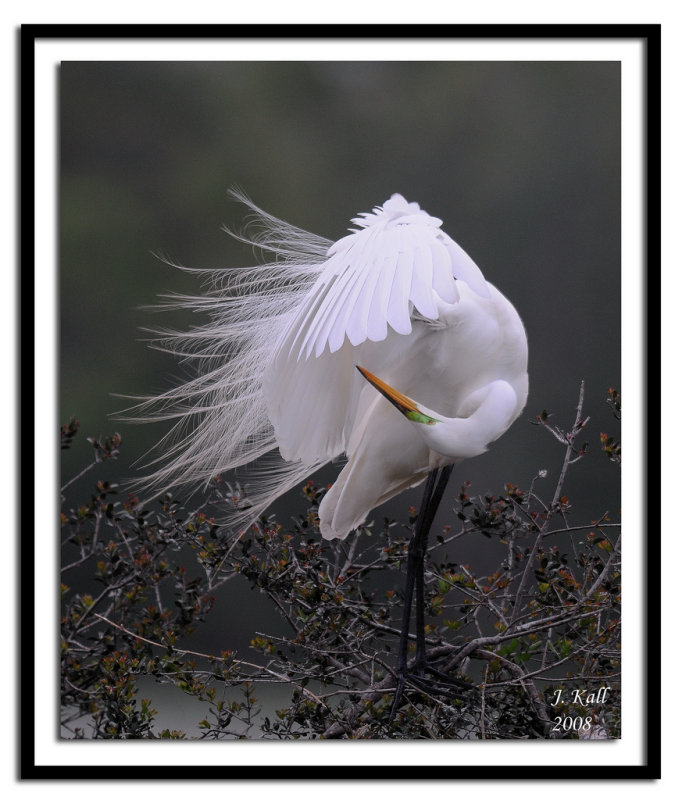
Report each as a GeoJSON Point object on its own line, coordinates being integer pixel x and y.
{"type": "Point", "coordinates": [404, 404]}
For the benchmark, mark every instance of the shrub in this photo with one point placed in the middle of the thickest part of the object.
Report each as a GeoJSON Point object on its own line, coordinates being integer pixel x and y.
{"type": "Point", "coordinates": [529, 650]}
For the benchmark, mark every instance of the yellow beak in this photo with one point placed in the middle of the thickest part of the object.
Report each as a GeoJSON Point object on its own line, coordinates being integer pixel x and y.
{"type": "Point", "coordinates": [404, 404]}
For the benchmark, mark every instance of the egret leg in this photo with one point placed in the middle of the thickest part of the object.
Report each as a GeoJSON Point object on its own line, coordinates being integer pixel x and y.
{"type": "Point", "coordinates": [436, 482]}
{"type": "Point", "coordinates": [422, 536]}
{"type": "Point", "coordinates": [413, 562]}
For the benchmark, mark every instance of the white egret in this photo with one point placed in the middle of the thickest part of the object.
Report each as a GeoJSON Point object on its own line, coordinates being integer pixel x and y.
{"type": "Point", "coordinates": [277, 379]}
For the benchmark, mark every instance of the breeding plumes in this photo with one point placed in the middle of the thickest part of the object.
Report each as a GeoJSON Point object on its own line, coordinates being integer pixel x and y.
{"type": "Point", "coordinates": [276, 389]}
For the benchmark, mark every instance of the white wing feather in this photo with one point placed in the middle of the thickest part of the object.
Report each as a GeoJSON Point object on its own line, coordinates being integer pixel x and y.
{"type": "Point", "coordinates": [396, 263]}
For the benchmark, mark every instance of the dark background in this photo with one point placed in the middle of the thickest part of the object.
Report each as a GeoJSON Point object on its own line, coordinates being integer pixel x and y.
{"type": "Point", "coordinates": [520, 160]}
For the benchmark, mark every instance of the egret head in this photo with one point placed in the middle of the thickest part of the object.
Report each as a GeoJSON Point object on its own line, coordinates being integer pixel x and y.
{"type": "Point", "coordinates": [490, 410]}
{"type": "Point", "coordinates": [406, 405]}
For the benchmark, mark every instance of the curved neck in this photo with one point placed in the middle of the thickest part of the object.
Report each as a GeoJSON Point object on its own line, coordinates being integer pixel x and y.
{"type": "Point", "coordinates": [494, 409]}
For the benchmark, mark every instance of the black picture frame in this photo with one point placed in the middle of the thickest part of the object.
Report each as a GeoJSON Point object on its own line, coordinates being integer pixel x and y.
{"type": "Point", "coordinates": [29, 36]}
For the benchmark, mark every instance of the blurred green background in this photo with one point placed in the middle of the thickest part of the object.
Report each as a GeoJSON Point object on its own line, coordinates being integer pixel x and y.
{"type": "Point", "coordinates": [521, 161]}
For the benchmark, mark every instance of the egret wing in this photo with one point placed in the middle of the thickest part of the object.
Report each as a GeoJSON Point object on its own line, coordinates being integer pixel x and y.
{"type": "Point", "coordinates": [397, 262]}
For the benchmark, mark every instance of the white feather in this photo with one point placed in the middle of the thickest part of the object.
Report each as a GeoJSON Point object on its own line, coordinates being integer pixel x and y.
{"type": "Point", "coordinates": [275, 359]}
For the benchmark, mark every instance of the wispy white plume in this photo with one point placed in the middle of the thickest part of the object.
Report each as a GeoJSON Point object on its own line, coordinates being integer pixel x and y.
{"type": "Point", "coordinates": [221, 420]}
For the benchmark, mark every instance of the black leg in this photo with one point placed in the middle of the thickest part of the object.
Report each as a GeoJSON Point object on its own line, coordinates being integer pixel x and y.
{"type": "Point", "coordinates": [422, 536]}
{"type": "Point", "coordinates": [413, 563]}
{"type": "Point", "coordinates": [436, 482]}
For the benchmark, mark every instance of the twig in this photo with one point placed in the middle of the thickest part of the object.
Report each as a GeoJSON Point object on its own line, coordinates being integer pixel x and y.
{"type": "Point", "coordinates": [578, 424]}
{"type": "Point", "coordinates": [80, 475]}
{"type": "Point", "coordinates": [605, 571]}
{"type": "Point", "coordinates": [555, 501]}
{"type": "Point", "coordinates": [281, 678]}
{"type": "Point", "coordinates": [528, 687]}
{"type": "Point", "coordinates": [483, 686]}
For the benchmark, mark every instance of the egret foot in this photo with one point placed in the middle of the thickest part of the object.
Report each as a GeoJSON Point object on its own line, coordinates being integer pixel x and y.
{"type": "Point", "coordinates": [430, 680]}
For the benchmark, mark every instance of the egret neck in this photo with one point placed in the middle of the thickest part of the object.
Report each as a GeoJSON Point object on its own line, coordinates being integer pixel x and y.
{"type": "Point", "coordinates": [489, 413]}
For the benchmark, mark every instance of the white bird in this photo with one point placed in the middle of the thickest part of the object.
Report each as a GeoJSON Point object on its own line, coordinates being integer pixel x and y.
{"type": "Point", "coordinates": [276, 364]}
{"type": "Point", "coordinates": [277, 382]}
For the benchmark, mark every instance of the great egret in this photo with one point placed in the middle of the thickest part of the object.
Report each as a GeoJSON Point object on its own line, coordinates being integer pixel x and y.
{"type": "Point", "coordinates": [277, 380]}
